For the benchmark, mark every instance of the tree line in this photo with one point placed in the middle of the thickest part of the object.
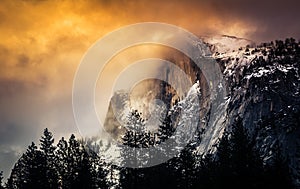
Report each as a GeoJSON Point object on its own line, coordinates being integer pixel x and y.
{"type": "Point", "coordinates": [70, 164]}
{"type": "Point", "coordinates": [236, 162]}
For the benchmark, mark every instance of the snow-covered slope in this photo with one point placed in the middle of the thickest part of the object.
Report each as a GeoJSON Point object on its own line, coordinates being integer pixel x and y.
{"type": "Point", "coordinates": [225, 43]}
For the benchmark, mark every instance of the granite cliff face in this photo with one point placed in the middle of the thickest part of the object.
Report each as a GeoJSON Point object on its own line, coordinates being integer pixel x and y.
{"type": "Point", "coordinates": [154, 97]}
{"type": "Point", "coordinates": [145, 95]}
{"type": "Point", "coordinates": [262, 83]}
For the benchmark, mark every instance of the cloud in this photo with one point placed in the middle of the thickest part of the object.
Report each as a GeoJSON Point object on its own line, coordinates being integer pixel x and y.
{"type": "Point", "coordinates": [271, 20]}
{"type": "Point", "coordinates": [7, 158]}
{"type": "Point", "coordinates": [42, 43]}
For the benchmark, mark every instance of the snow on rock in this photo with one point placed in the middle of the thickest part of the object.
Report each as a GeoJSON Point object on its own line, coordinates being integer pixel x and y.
{"type": "Point", "coordinates": [225, 43]}
{"type": "Point", "coordinates": [189, 110]}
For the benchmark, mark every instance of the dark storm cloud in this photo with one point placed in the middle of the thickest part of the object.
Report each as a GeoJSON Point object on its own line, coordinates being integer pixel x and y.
{"type": "Point", "coordinates": [25, 110]}
{"type": "Point", "coordinates": [12, 134]}
{"type": "Point", "coordinates": [272, 19]}
{"type": "Point", "coordinates": [16, 129]}
{"type": "Point", "coordinates": [264, 19]}
{"type": "Point", "coordinates": [16, 135]}
{"type": "Point", "coordinates": [9, 156]}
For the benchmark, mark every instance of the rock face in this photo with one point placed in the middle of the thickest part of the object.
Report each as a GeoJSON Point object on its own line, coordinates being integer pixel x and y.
{"type": "Point", "coordinates": [144, 94]}
{"type": "Point", "coordinates": [153, 97]}
{"type": "Point", "coordinates": [263, 86]}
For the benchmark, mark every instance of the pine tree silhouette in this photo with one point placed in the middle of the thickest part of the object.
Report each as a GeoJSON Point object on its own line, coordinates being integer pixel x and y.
{"type": "Point", "coordinates": [224, 162]}
{"type": "Point", "coordinates": [63, 163]}
{"type": "Point", "coordinates": [84, 178]}
{"type": "Point", "coordinates": [51, 161]}
{"type": "Point", "coordinates": [69, 166]}
{"type": "Point", "coordinates": [166, 131]}
{"type": "Point", "coordinates": [186, 167]}
{"type": "Point", "coordinates": [277, 173]}
{"type": "Point", "coordinates": [101, 171]}
{"type": "Point", "coordinates": [132, 140]}
{"type": "Point", "coordinates": [29, 171]}
{"type": "Point", "coordinates": [1, 178]}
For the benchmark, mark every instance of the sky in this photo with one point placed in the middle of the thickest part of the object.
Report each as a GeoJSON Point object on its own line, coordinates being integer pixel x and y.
{"type": "Point", "coordinates": [43, 41]}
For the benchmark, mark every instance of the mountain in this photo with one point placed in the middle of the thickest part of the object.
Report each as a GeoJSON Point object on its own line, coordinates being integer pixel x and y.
{"type": "Point", "coordinates": [149, 91]}
{"type": "Point", "coordinates": [226, 43]}
{"type": "Point", "coordinates": [263, 86]}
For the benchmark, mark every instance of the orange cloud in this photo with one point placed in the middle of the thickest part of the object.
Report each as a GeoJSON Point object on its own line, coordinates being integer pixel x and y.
{"type": "Point", "coordinates": [44, 41]}
{"type": "Point", "coordinates": [52, 36]}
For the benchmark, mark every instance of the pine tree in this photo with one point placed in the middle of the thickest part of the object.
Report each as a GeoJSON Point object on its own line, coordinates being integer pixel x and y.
{"type": "Point", "coordinates": [207, 172]}
{"type": "Point", "coordinates": [14, 179]}
{"type": "Point", "coordinates": [29, 171]}
{"type": "Point", "coordinates": [224, 162]}
{"type": "Point", "coordinates": [224, 152]}
{"type": "Point", "coordinates": [74, 161]}
{"type": "Point", "coordinates": [277, 172]}
{"type": "Point", "coordinates": [165, 132]}
{"type": "Point", "coordinates": [69, 157]}
{"type": "Point", "coordinates": [238, 161]}
{"type": "Point", "coordinates": [100, 172]}
{"type": "Point", "coordinates": [63, 164]}
{"type": "Point", "coordinates": [186, 166]}
{"type": "Point", "coordinates": [1, 178]}
{"type": "Point", "coordinates": [162, 147]}
{"type": "Point", "coordinates": [69, 166]}
{"type": "Point", "coordinates": [34, 163]}
{"type": "Point", "coordinates": [84, 172]}
{"type": "Point", "coordinates": [166, 128]}
{"type": "Point", "coordinates": [80, 167]}
{"type": "Point", "coordinates": [51, 163]}
{"type": "Point", "coordinates": [134, 138]}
